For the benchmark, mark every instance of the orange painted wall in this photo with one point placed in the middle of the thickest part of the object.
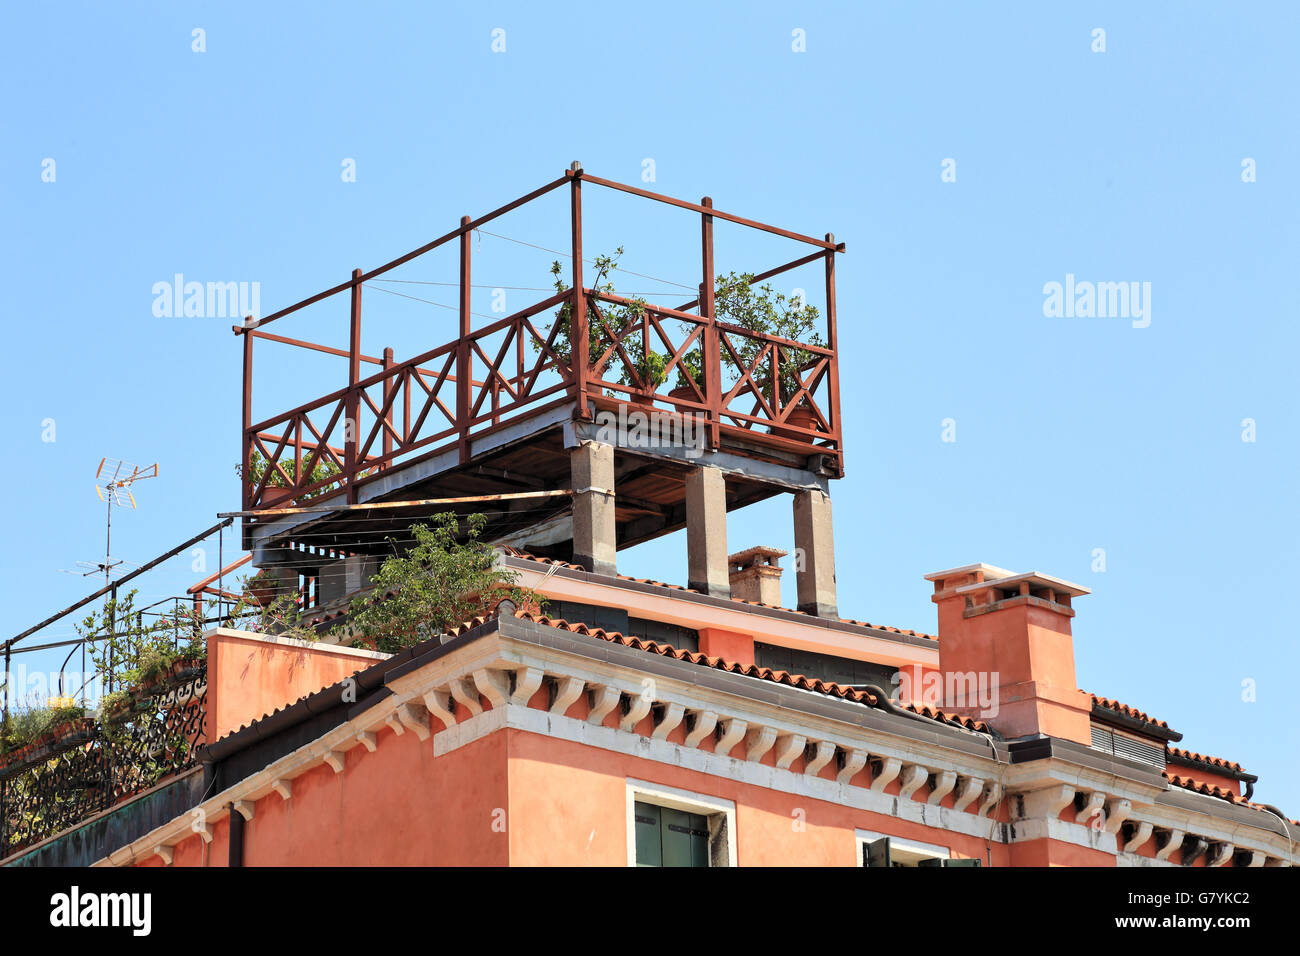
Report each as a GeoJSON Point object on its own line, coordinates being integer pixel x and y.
{"type": "Point", "coordinates": [250, 678]}
{"type": "Point", "coordinates": [1047, 852]}
{"type": "Point", "coordinates": [568, 807]}
{"type": "Point", "coordinates": [398, 806]}
{"type": "Point", "coordinates": [729, 645]}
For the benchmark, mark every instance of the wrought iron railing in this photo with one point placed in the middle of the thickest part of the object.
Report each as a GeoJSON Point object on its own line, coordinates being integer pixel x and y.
{"type": "Point", "coordinates": [89, 765]}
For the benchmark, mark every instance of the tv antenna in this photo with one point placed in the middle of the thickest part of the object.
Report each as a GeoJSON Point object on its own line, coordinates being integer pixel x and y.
{"type": "Point", "coordinates": [113, 481]}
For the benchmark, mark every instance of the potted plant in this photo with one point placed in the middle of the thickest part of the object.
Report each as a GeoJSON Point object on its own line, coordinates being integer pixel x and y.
{"type": "Point", "coordinates": [262, 587]}
{"type": "Point", "coordinates": [620, 321]}
{"type": "Point", "coordinates": [690, 367]}
{"type": "Point", "coordinates": [765, 312]}
{"type": "Point", "coordinates": [278, 490]}
{"type": "Point", "coordinates": [651, 372]}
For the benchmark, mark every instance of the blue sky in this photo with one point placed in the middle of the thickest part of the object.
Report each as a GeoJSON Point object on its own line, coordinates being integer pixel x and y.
{"type": "Point", "coordinates": [1072, 433]}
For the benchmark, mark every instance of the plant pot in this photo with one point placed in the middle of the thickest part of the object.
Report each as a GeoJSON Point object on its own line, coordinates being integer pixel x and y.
{"type": "Point", "coordinates": [274, 496]}
{"type": "Point", "coordinates": [801, 416]}
{"type": "Point", "coordinates": [263, 591]}
{"type": "Point", "coordinates": [645, 399]}
{"type": "Point", "coordinates": [684, 393]}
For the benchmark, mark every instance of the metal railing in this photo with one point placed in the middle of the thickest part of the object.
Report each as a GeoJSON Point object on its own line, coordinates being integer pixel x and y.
{"type": "Point", "coordinates": [438, 400]}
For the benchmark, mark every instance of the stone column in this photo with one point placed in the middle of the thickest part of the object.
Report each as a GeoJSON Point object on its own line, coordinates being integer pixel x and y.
{"type": "Point", "coordinates": [592, 472]}
{"type": "Point", "coordinates": [814, 554]}
{"type": "Point", "coordinates": [706, 532]}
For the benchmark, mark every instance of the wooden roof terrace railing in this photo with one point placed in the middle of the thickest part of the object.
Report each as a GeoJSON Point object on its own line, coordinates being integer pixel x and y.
{"type": "Point", "coordinates": [333, 445]}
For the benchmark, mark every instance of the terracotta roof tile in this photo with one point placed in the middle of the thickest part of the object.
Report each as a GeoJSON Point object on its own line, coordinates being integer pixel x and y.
{"type": "Point", "coordinates": [1127, 711]}
{"type": "Point", "coordinates": [1226, 765]}
{"type": "Point", "coordinates": [524, 555]}
{"type": "Point", "coordinates": [749, 670]}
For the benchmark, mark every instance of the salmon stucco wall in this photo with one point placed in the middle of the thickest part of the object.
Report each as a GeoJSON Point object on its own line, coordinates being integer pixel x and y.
{"type": "Point", "coordinates": [252, 675]}
{"type": "Point", "coordinates": [568, 807]}
{"type": "Point", "coordinates": [397, 806]}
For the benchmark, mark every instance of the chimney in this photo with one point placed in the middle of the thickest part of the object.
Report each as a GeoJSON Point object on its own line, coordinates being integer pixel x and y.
{"type": "Point", "coordinates": [755, 575]}
{"type": "Point", "coordinates": [1007, 637]}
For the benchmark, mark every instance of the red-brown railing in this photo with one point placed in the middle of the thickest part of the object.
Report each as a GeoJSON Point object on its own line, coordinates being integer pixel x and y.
{"type": "Point", "coordinates": [517, 365]}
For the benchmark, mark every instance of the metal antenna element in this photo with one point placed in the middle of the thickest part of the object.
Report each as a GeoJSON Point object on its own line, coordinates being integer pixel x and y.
{"type": "Point", "coordinates": [113, 481]}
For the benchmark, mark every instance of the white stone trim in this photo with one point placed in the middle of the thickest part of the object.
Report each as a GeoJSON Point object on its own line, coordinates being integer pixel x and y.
{"type": "Point", "coordinates": [931, 851]}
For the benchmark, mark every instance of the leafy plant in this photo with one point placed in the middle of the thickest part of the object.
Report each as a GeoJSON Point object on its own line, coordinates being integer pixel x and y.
{"type": "Point", "coordinates": [438, 583]}
{"type": "Point", "coordinates": [283, 618]}
{"type": "Point", "coordinates": [25, 726]}
{"type": "Point", "coordinates": [258, 464]}
{"type": "Point", "coordinates": [763, 310]}
{"type": "Point", "coordinates": [130, 650]}
{"type": "Point", "coordinates": [622, 320]}
{"type": "Point", "coordinates": [693, 363]}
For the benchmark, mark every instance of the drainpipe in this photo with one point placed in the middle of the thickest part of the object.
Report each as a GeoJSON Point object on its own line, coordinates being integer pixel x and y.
{"type": "Point", "coordinates": [236, 857]}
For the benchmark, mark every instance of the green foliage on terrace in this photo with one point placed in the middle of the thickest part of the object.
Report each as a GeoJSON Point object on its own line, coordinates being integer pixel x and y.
{"type": "Point", "coordinates": [24, 726]}
{"type": "Point", "coordinates": [132, 650]}
{"type": "Point", "coordinates": [737, 301]}
{"type": "Point", "coordinates": [440, 582]}
{"type": "Point", "coordinates": [763, 310]}
{"type": "Point", "coordinates": [257, 465]}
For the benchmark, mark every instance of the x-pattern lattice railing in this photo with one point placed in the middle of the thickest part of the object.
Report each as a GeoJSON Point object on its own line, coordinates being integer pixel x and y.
{"type": "Point", "coordinates": [565, 348]}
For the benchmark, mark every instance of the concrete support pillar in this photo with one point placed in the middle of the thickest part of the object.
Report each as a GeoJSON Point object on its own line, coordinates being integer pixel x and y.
{"type": "Point", "coordinates": [706, 532]}
{"type": "Point", "coordinates": [591, 467]}
{"type": "Point", "coordinates": [814, 554]}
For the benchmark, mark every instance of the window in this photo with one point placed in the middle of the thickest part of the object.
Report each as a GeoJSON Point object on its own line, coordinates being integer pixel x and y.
{"type": "Point", "coordinates": [878, 850]}
{"type": "Point", "coordinates": [668, 837]}
{"type": "Point", "coordinates": [670, 827]}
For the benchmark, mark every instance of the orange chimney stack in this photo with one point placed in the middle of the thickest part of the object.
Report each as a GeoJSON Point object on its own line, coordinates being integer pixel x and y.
{"type": "Point", "coordinates": [1011, 632]}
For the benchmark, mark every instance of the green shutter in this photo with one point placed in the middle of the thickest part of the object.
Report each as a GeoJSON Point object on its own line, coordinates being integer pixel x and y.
{"type": "Point", "coordinates": [685, 838]}
{"type": "Point", "coordinates": [972, 862]}
{"type": "Point", "coordinates": [648, 852]}
{"type": "Point", "coordinates": [876, 853]}
{"type": "Point", "coordinates": [667, 837]}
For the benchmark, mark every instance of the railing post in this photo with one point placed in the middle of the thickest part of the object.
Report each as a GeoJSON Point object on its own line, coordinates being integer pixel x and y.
{"type": "Point", "coordinates": [352, 412]}
{"type": "Point", "coordinates": [834, 391]}
{"type": "Point", "coordinates": [578, 338]}
{"type": "Point", "coordinates": [244, 436]}
{"type": "Point", "coordinates": [389, 385]}
{"type": "Point", "coordinates": [464, 376]}
{"type": "Point", "coordinates": [712, 356]}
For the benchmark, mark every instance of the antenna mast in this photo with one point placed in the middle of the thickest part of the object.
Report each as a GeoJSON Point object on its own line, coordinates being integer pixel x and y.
{"type": "Point", "coordinates": [113, 481]}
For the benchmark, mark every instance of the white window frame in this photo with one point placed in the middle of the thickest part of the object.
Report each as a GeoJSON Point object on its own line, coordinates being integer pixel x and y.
{"type": "Point", "coordinates": [912, 849]}
{"type": "Point", "coordinates": [664, 796]}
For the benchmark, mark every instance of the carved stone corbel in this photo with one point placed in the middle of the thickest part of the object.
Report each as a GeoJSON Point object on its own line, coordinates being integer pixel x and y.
{"type": "Point", "coordinates": [466, 695]}
{"type": "Point", "coordinates": [564, 693]}
{"type": "Point", "coordinates": [637, 707]}
{"type": "Point", "coordinates": [702, 724]}
{"type": "Point", "coordinates": [527, 680]}
{"type": "Point", "coordinates": [438, 703]}
{"type": "Point", "coordinates": [603, 700]}
{"type": "Point", "coordinates": [1167, 841]}
{"type": "Point", "coordinates": [758, 742]}
{"type": "Point", "coordinates": [823, 753]}
{"type": "Point", "coordinates": [731, 731]}
{"type": "Point", "coordinates": [854, 760]}
{"type": "Point", "coordinates": [941, 786]}
{"type": "Point", "coordinates": [913, 776]}
{"type": "Point", "coordinates": [971, 787]}
{"type": "Point", "coordinates": [789, 746]}
{"type": "Point", "coordinates": [672, 716]}
{"type": "Point", "coordinates": [889, 769]}
{"type": "Point", "coordinates": [1141, 833]}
